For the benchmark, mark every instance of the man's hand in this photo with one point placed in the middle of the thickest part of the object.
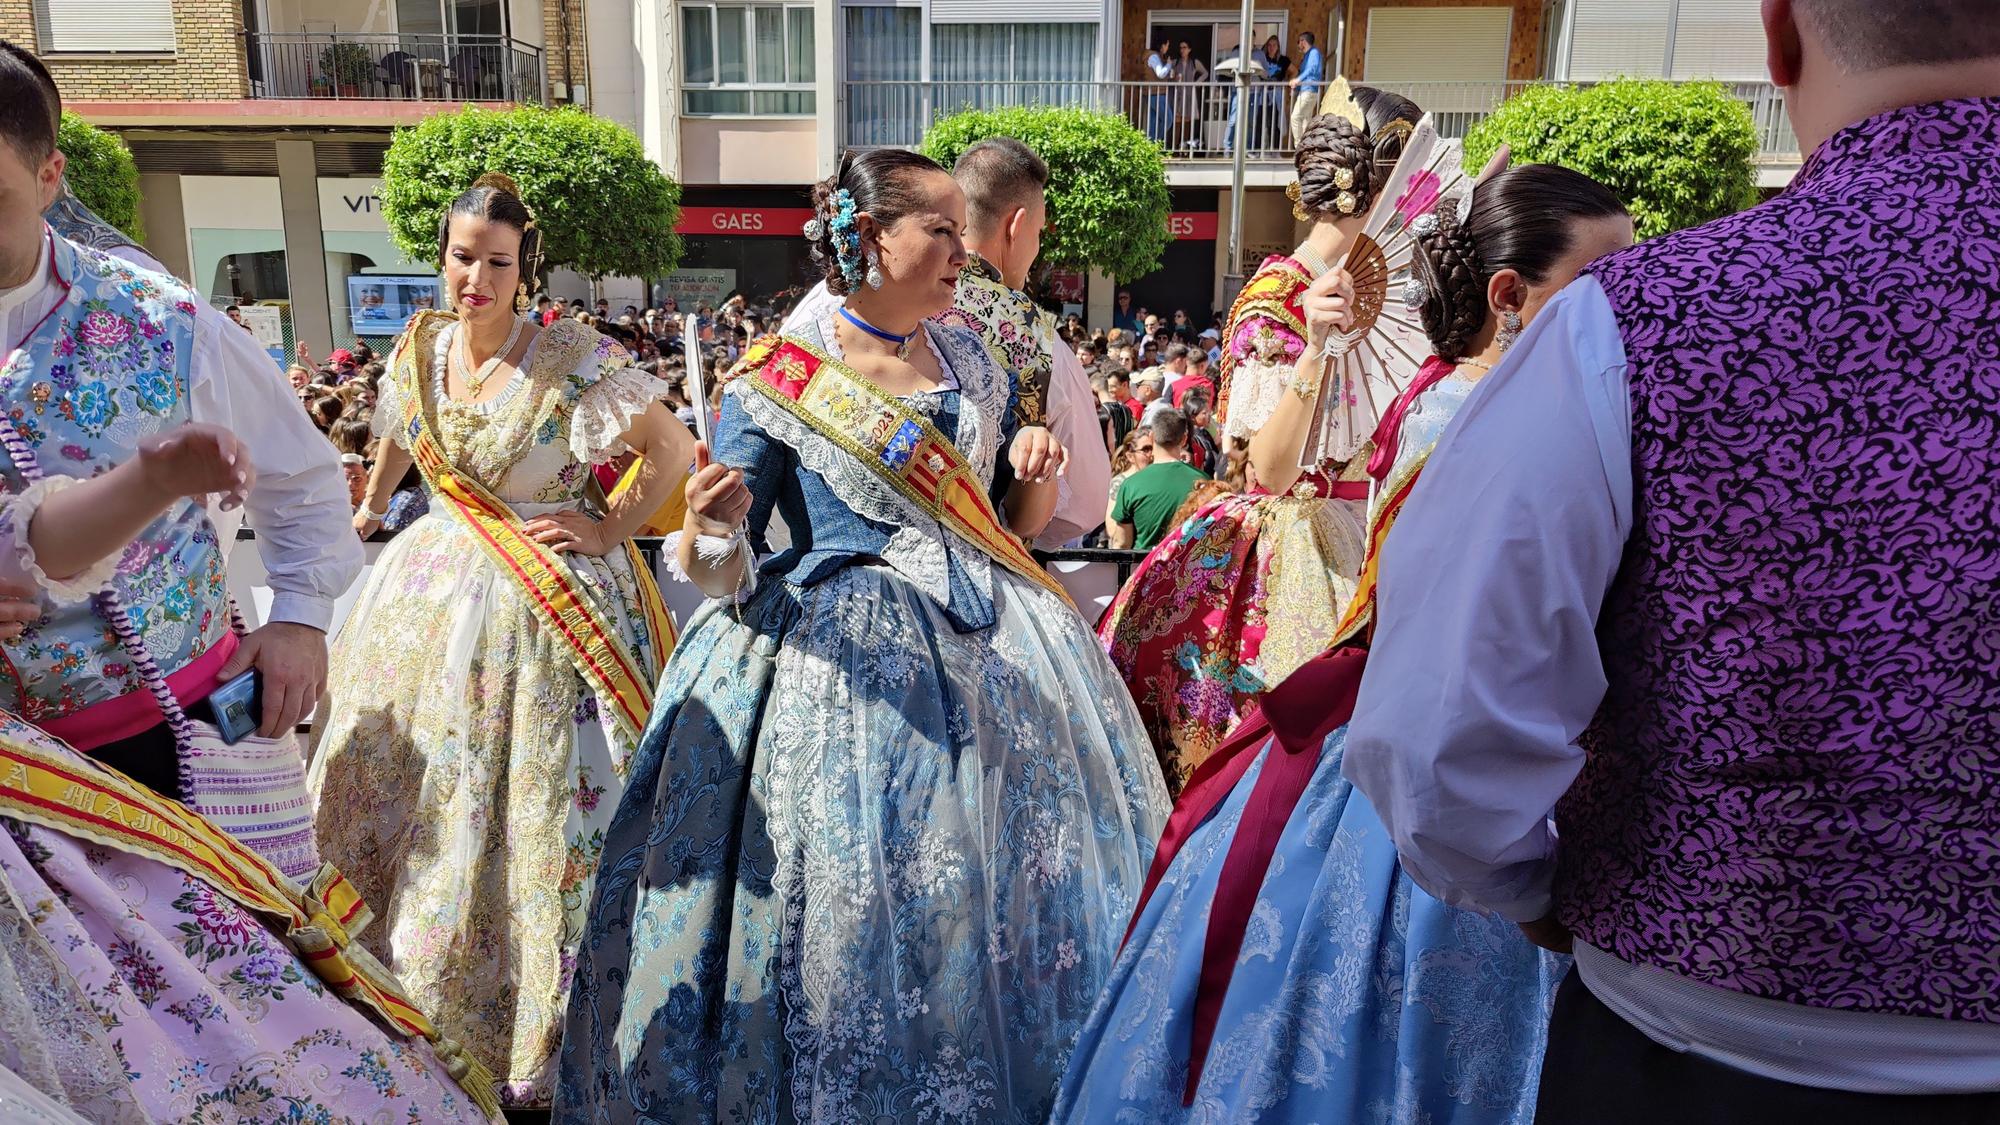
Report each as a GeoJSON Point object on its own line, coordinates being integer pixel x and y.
{"type": "Point", "coordinates": [1549, 933]}
{"type": "Point", "coordinates": [291, 666]}
{"type": "Point", "coordinates": [18, 608]}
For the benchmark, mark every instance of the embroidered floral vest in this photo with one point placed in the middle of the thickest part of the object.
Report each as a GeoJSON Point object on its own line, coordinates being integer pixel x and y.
{"type": "Point", "coordinates": [108, 368]}
{"type": "Point", "coordinates": [1792, 790]}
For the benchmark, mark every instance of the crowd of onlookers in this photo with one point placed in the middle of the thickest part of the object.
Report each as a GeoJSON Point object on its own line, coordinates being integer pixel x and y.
{"type": "Point", "coordinates": [1154, 376]}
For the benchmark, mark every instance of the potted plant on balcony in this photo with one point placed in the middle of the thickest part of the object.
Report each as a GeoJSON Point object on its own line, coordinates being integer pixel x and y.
{"type": "Point", "coordinates": [347, 66]}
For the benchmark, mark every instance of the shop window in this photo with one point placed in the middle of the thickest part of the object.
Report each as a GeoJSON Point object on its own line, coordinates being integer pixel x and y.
{"type": "Point", "coordinates": [95, 27]}
{"type": "Point", "coordinates": [747, 59]}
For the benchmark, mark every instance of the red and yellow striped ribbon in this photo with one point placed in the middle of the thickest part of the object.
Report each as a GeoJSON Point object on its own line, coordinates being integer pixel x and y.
{"type": "Point", "coordinates": [46, 787]}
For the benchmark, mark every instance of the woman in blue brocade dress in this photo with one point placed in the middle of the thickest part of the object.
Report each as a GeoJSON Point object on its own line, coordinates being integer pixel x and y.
{"type": "Point", "coordinates": [1340, 992]}
{"type": "Point", "coordinates": [894, 808]}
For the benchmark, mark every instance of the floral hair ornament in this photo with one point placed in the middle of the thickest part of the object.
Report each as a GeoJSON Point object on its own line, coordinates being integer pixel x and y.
{"type": "Point", "coordinates": [845, 235]}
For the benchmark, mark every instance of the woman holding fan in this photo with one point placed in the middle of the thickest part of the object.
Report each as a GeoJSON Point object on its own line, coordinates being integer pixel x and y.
{"type": "Point", "coordinates": [1283, 967]}
{"type": "Point", "coordinates": [1248, 588]}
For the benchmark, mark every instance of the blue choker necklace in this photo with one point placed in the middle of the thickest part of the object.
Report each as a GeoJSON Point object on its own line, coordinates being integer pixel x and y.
{"type": "Point", "coordinates": [902, 342]}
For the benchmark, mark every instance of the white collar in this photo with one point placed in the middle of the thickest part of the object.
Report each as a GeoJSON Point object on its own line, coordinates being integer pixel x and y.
{"type": "Point", "coordinates": [38, 281]}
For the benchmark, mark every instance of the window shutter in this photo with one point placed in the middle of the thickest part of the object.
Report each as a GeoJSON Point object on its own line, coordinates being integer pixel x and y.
{"type": "Point", "coordinates": [1437, 45]}
{"type": "Point", "coordinates": [1021, 11]}
{"type": "Point", "coordinates": [1620, 39]}
{"type": "Point", "coordinates": [96, 26]}
{"type": "Point", "coordinates": [1719, 39]}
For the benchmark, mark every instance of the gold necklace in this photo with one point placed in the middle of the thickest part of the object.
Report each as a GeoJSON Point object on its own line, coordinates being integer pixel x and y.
{"type": "Point", "coordinates": [475, 381]}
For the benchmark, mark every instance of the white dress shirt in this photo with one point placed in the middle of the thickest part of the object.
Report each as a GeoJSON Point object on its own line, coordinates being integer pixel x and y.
{"type": "Point", "coordinates": [1484, 670]}
{"type": "Point", "coordinates": [299, 505]}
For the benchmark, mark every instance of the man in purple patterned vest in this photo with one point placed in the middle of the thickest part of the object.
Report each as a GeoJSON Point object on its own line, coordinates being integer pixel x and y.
{"type": "Point", "coordinates": [1713, 564]}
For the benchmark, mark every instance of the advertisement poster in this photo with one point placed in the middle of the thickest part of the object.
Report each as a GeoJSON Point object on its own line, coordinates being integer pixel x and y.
{"type": "Point", "coordinates": [267, 324]}
{"type": "Point", "coordinates": [380, 304]}
{"type": "Point", "coordinates": [692, 289]}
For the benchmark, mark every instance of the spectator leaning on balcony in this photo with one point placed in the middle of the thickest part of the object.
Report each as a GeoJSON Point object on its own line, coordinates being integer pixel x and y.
{"type": "Point", "coordinates": [1160, 119]}
{"type": "Point", "coordinates": [1306, 85]}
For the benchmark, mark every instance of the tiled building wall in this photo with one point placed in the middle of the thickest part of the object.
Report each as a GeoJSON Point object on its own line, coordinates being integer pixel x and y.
{"type": "Point", "coordinates": [207, 63]}
{"type": "Point", "coordinates": [554, 13]}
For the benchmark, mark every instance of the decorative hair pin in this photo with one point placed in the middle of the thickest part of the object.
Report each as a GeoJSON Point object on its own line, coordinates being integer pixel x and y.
{"type": "Point", "coordinates": [1424, 225]}
{"type": "Point", "coordinates": [840, 226]}
{"type": "Point", "coordinates": [1415, 294]}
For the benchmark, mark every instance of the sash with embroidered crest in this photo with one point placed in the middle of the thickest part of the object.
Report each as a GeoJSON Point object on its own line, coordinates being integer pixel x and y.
{"type": "Point", "coordinates": [1272, 293]}
{"type": "Point", "coordinates": [99, 805]}
{"type": "Point", "coordinates": [619, 678]}
{"type": "Point", "coordinates": [892, 441]}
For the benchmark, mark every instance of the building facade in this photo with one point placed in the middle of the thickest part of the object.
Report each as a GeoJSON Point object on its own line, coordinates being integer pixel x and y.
{"type": "Point", "coordinates": [259, 128]}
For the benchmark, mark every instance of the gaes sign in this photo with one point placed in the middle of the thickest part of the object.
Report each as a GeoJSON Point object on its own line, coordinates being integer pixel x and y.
{"type": "Point", "coordinates": [753, 222]}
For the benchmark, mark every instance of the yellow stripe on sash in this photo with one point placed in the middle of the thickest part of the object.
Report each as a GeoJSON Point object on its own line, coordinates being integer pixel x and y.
{"type": "Point", "coordinates": [97, 804]}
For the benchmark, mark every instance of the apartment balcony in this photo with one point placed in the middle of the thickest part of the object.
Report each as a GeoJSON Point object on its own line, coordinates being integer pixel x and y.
{"type": "Point", "coordinates": [395, 68]}
{"type": "Point", "coordinates": [1195, 121]}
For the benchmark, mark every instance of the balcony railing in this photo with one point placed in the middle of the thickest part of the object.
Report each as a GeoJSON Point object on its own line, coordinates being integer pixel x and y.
{"type": "Point", "coordinates": [1195, 121]}
{"type": "Point", "coordinates": [352, 67]}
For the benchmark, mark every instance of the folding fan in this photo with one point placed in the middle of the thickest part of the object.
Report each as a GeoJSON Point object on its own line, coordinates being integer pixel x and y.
{"type": "Point", "coordinates": [1380, 354]}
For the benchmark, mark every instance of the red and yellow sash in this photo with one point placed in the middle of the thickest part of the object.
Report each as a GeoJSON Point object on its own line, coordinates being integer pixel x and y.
{"type": "Point", "coordinates": [895, 443]}
{"type": "Point", "coordinates": [570, 615]}
{"type": "Point", "coordinates": [66, 794]}
{"type": "Point", "coordinates": [1272, 293]}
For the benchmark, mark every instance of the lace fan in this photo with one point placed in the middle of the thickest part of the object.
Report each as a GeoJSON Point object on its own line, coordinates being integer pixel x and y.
{"type": "Point", "coordinates": [1371, 363]}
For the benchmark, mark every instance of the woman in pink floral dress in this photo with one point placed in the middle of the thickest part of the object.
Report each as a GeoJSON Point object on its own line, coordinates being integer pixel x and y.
{"type": "Point", "coordinates": [133, 989]}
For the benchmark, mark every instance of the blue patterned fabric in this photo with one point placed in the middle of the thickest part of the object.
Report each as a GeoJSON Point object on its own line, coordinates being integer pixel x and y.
{"type": "Point", "coordinates": [1357, 999]}
{"type": "Point", "coordinates": [871, 864]}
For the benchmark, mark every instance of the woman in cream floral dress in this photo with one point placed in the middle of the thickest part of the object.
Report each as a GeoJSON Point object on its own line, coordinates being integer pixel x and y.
{"type": "Point", "coordinates": [492, 680]}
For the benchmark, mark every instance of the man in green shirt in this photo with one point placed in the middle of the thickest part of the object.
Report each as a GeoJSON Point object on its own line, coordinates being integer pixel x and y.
{"type": "Point", "coordinates": [1143, 511]}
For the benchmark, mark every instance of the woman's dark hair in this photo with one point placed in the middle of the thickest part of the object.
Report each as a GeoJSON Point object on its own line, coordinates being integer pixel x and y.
{"type": "Point", "coordinates": [1333, 152]}
{"type": "Point", "coordinates": [496, 198]}
{"type": "Point", "coordinates": [1521, 221]}
{"type": "Point", "coordinates": [883, 182]}
{"type": "Point", "coordinates": [352, 435]}
{"type": "Point", "coordinates": [325, 411]}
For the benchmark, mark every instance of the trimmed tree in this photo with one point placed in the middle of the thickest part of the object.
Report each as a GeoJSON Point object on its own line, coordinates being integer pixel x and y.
{"type": "Point", "coordinates": [1677, 153]}
{"type": "Point", "coordinates": [1108, 200]}
{"type": "Point", "coordinates": [102, 173]}
{"type": "Point", "coordinates": [602, 205]}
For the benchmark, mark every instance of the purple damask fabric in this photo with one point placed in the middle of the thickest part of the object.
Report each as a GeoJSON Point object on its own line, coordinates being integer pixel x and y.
{"type": "Point", "coordinates": [1793, 785]}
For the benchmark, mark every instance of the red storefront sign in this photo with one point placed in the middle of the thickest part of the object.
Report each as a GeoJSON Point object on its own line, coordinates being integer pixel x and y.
{"type": "Point", "coordinates": [752, 222]}
{"type": "Point", "coordinates": [1193, 226]}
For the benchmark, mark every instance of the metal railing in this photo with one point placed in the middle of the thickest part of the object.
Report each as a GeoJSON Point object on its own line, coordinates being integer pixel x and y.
{"type": "Point", "coordinates": [487, 68]}
{"type": "Point", "coordinates": [1196, 121]}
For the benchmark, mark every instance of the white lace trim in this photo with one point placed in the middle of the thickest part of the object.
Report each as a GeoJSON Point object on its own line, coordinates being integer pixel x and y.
{"type": "Point", "coordinates": [920, 548]}
{"type": "Point", "coordinates": [606, 408]}
{"type": "Point", "coordinates": [19, 514]}
{"type": "Point", "coordinates": [712, 550]}
{"type": "Point", "coordinates": [1254, 389]}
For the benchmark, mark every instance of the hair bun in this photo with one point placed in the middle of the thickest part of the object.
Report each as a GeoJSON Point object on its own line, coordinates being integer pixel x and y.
{"type": "Point", "coordinates": [499, 181]}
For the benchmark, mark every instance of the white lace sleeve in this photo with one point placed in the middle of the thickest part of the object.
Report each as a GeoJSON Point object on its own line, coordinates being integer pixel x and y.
{"type": "Point", "coordinates": [606, 408]}
{"type": "Point", "coordinates": [17, 557]}
{"type": "Point", "coordinates": [1254, 388]}
{"type": "Point", "coordinates": [390, 411]}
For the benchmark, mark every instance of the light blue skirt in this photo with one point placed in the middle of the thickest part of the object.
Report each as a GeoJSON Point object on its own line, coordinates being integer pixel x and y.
{"type": "Point", "coordinates": [1357, 998]}
{"type": "Point", "coordinates": [867, 868]}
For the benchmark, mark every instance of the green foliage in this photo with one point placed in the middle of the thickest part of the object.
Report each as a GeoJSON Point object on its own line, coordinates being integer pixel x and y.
{"type": "Point", "coordinates": [1677, 153]}
{"type": "Point", "coordinates": [348, 64]}
{"type": "Point", "coordinates": [101, 173]}
{"type": "Point", "coordinates": [603, 206]}
{"type": "Point", "coordinates": [1108, 200]}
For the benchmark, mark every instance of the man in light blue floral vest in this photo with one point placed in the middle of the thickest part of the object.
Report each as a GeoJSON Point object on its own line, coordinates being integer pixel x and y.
{"type": "Point", "coordinates": [102, 354]}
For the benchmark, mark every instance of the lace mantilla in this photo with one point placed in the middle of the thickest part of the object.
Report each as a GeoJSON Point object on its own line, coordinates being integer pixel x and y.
{"type": "Point", "coordinates": [607, 408]}
{"type": "Point", "coordinates": [1255, 386]}
{"type": "Point", "coordinates": [921, 548]}
{"type": "Point", "coordinates": [15, 518]}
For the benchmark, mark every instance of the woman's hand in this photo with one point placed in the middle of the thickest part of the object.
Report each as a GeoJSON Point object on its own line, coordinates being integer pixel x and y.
{"type": "Point", "coordinates": [718, 500]}
{"type": "Point", "coordinates": [365, 527]}
{"type": "Point", "coordinates": [1037, 456]}
{"type": "Point", "coordinates": [195, 460]}
{"type": "Point", "coordinates": [1328, 305]}
{"type": "Point", "coordinates": [18, 608]}
{"type": "Point", "coordinates": [569, 532]}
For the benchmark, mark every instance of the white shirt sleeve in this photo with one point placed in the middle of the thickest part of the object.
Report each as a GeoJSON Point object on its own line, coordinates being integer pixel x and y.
{"type": "Point", "coordinates": [1484, 668]}
{"type": "Point", "coordinates": [299, 506]}
{"type": "Point", "coordinates": [1085, 486]}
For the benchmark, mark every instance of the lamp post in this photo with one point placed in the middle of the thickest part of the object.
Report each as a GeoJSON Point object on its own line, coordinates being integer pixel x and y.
{"type": "Point", "coordinates": [1232, 278]}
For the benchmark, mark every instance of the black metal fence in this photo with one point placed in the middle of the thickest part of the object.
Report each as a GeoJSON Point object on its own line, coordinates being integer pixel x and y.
{"type": "Point", "coordinates": [491, 68]}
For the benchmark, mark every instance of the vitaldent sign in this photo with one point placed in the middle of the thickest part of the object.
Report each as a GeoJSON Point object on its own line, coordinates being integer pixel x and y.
{"type": "Point", "coordinates": [351, 204]}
